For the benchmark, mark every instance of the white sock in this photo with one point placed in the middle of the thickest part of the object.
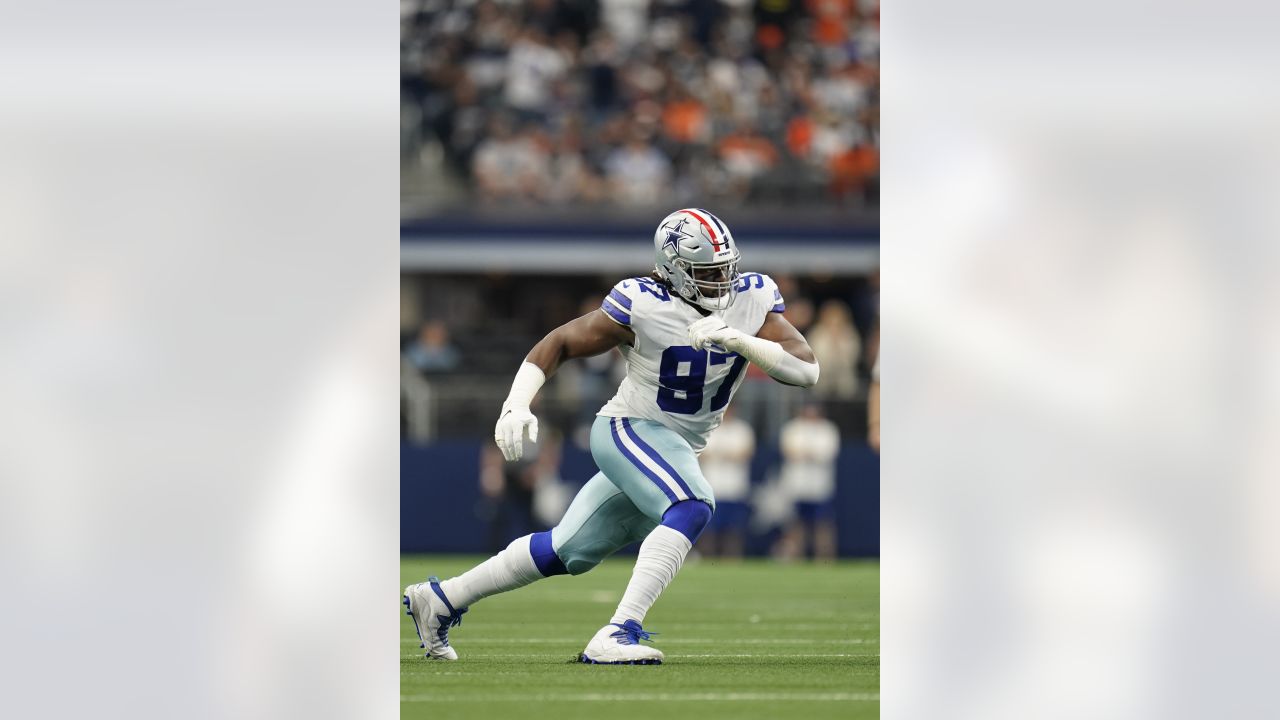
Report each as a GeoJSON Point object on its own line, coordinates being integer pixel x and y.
{"type": "Point", "coordinates": [661, 555]}
{"type": "Point", "coordinates": [510, 569]}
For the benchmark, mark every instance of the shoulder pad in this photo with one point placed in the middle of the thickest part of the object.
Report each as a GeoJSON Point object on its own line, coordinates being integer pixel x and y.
{"type": "Point", "coordinates": [628, 298]}
{"type": "Point", "coordinates": [763, 291]}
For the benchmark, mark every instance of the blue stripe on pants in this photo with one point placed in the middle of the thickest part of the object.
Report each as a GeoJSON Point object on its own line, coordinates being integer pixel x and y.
{"type": "Point", "coordinates": [613, 428]}
{"type": "Point", "coordinates": [655, 456]}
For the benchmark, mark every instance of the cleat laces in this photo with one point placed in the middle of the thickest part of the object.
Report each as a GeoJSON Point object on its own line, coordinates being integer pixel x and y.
{"type": "Point", "coordinates": [630, 633]}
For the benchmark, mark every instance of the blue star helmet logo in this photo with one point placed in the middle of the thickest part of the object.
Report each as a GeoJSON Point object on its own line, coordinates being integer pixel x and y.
{"type": "Point", "coordinates": [674, 234]}
{"type": "Point", "coordinates": [672, 239]}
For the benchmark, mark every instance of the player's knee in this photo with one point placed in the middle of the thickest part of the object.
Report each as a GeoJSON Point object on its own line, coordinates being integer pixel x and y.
{"type": "Point", "coordinates": [579, 557]}
{"type": "Point", "coordinates": [578, 564]}
{"type": "Point", "coordinates": [690, 517]}
{"type": "Point", "coordinates": [579, 561]}
{"type": "Point", "coordinates": [544, 555]}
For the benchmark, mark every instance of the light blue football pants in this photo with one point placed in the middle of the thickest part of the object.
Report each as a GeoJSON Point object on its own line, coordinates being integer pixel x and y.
{"type": "Point", "coordinates": [645, 468]}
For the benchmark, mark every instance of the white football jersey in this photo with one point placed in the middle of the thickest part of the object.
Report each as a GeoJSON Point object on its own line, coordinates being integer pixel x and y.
{"type": "Point", "coordinates": [668, 381]}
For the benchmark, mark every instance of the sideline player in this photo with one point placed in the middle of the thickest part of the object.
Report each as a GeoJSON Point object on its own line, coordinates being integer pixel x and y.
{"type": "Point", "coordinates": [686, 333]}
{"type": "Point", "coordinates": [873, 408]}
{"type": "Point", "coordinates": [726, 464]}
{"type": "Point", "coordinates": [810, 444]}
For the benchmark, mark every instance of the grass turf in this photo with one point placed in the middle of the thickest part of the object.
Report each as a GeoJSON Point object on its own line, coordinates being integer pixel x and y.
{"type": "Point", "coordinates": [752, 639]}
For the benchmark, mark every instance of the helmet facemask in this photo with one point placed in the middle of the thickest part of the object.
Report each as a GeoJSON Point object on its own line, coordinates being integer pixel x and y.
{"type": "Point", "coordinates": [713, 286]}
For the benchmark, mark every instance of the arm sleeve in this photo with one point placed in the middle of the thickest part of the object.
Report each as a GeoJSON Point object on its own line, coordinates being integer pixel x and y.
{"type": "Point", "coordinates": [778, 363]}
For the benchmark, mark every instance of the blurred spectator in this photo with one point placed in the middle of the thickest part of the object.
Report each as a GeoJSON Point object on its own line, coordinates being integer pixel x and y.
{"type": "Point", "coordinates": [490, 33]}
{"type": "Point", "coordinates": [764, 402]}
{"type": "Point", "coordinates": [832, 135]}
{"type": "Point", "coordinates": [853, 170]}
{"type": "Point", "coordinates": [799, 137]}
{"type": "Point", "coordinates": [873, 408]}
{"type": "Point", "coordinates": [509, 488]}
{"type": "Point", "coordinates": [845, 91]}
{"type": "Point", "coordinates": [600, 65]}
{"type": "Point", "coordinates": [533, 65]}
{"type": "Point", "coordinates": [746, 155]}
{"type": "Point", "coordinates": [507, 166]}
{"type": "Point", "coordinates": [771, 113]}
{"type": "Point", "coordinates": [571, 176]}
{"type": "Point", "coordinates": [463, 129]}
{"type": "Point", "coordinates": [830, 20]}
{"type": "Point", "coordinates": [684, 120]}
{"type": "Point", "coordinates": [638, 173]}
{"type": "Point", "coordinates": [431, 351]}
{"type": "Point", "coordinates": [810, 444]}
{"type": "Point", "coordinates": [726, 464]}
{"type": "Point", "coordinates": [416, 421]}
{"type": "Point", "coordinates": [628, 20]}
{"type": "Point", "coordinates": [542, 15]}
{"type": "Point", "coordinates": [836, 345]}
{"type": "Point", "coordinates": [799, 313]}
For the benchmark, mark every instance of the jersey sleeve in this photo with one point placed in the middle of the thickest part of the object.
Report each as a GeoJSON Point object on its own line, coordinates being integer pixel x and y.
{"type": "Point", "coordinates": [620, 304]}
{"type": "Point", "coordinates": [773, 296]}
{"type": "Point", "coordinates": [634, 299]}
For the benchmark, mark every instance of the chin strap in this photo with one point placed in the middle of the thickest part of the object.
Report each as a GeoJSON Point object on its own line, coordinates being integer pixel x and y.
{"type": "Point", "coordinates": [701, 310]}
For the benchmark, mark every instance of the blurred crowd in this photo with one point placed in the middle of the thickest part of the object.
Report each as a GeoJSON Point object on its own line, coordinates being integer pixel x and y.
{"type": "Point", "coordinates": [645, 102]}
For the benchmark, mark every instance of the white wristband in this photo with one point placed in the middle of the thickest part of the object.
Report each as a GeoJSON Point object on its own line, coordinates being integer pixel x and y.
{"type": "Point", "coordinates": [529, 379]}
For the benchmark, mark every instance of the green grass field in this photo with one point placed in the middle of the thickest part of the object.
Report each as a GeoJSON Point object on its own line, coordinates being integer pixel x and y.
{"type": "Point", "coordinates": [742, 640]}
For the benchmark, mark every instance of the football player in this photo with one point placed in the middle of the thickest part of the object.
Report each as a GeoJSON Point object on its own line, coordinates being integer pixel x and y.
{"type": "Point", "coordinates": [686, 333]}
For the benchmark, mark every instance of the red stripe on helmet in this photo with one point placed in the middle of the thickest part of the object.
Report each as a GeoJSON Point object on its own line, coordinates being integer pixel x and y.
{"type": "Point", "coordinates": [715, 242]}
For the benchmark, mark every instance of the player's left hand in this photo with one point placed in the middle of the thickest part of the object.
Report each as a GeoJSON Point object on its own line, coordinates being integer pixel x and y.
{"type": "Point", "coordinates": [711, 331]}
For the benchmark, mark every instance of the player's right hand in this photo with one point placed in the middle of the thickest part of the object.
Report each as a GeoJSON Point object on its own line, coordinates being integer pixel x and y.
{"type": "Point", "coordinates": [710, 332]}
{"type": "Point", "coordinates": [509, 433]}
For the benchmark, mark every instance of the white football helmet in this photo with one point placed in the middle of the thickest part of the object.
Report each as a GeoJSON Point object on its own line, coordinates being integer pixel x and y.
{"type": "Point", "coordinates": [697, 255]}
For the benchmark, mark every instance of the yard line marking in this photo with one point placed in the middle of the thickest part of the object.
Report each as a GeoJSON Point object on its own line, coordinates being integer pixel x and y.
{"type": "Point", "coordinates": [727, 624]}
{"type": "Point", "coordinates": [769, 655]}
{"type": "Point", "coordinates": [616, 697]}
{"type": "Point", "coordinates": [674, 641]}
{"type": "Point", "coordinates": [776, 655]}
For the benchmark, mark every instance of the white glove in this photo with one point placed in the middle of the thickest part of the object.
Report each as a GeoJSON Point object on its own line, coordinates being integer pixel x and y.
{"type": "Point", "coordinates": [711, 332]}
{"type": "Point", "coordinates": [515, 415]}
{"type": "Point", "coordinates": [509, 433]}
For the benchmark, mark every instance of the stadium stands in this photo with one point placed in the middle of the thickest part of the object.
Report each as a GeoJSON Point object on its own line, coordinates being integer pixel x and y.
{"type": "Point", "coordinates": [641, 102]}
